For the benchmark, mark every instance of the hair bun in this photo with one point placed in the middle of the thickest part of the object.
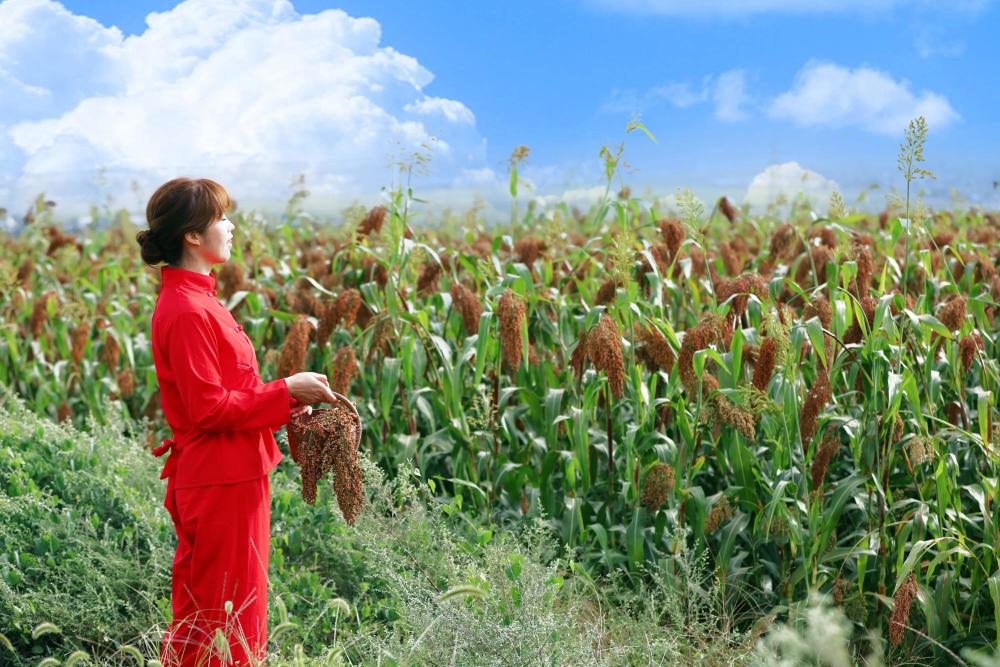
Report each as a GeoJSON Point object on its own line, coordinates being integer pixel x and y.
{"type": "Point", "coordinates": [149, 248]}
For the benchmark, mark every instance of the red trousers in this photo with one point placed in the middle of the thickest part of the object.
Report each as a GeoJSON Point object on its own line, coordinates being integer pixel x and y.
{"type": "Point", "coordinates": [219, 586]}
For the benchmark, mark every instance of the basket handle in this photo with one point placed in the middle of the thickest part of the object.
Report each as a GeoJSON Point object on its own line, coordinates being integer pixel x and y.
{"type": "Point", "coordinates": [343, 399]}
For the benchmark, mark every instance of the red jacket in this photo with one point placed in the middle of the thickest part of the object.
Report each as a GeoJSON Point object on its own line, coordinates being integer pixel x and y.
{"type": "Point", "coordinates": [221, 414]}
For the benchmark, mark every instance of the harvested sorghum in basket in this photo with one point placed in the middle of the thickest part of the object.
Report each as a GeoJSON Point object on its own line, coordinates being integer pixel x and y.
{"type": "Point", "coordinates": [327, 441]}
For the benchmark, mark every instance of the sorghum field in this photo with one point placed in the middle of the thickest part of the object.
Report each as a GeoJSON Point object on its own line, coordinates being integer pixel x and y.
{"type": "Point", "coordinates": [614, 436]}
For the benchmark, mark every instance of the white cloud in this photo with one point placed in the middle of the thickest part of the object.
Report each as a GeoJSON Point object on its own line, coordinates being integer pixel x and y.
{"type": "Point", "coordinates": [705, 8]}
{"type": "Point", "coordinates": [788, 179]}
{"type": "Point", "coordinates": [454, 111]}
{"type": "Point", "coordinates": [836, 96]}
{"type": "Point", "coordinates": [730, 96]}
{"type": "Point", "coordinates": [727, 92]}
{"type": "Point", "coordinates": [247, 92]}
{"type": "Point", "coordinates": [930, 42]}
{"type": "Point", "coordinates": [582, 197]}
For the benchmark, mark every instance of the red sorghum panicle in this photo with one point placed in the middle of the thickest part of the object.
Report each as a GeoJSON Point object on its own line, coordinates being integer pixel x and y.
{"type": "Point", "coordinates": [727, 412]}
{"type": "Point", "coordinates": [382, 332]}
{"type": "Point", "coordinates": [828, 237]}
{"type": "Point", "coordinates": [327, 322]}
{"type": "Point", "coordinates": [743, 286]}
{"type": "Point", "coordinates": [952, 313]}
{"type": "Point", "coordinates": [606, 292]}
{"type": "Point", "coordinates": [854, 334]}
{"type": "Point", "coordinates": [429, 278]}
{"type": "Point", "coordinates": [373, 221]}
{"type": "Point", "coordinates": [672, 233]}
{"type": "Point", "coordinates": [467, 304]}
{"type": "Point", "coordinates": [528, 249]}
{"type": "Point", "coordinates": [696, 338]}
{"type": "Point", "coordinates": [657, 486]}
{"type": "Point", "coordinates": [64, 412]}
{"type": "Point", "coordinates": [968, 346]}
{"type": "Point", "coordinates": [232, 278]}
{"type": "Point", "coordinates": [819, 307]}
{"type": "Point", "coordinates": [110, 351]}
{"type": "Point", "coordinates": [821, 462]}
{"type": "Point", "coordinates": [40, 313]}
{"type": "Point", "coordinates": [654, 350]}
{"type": "Point", "coordinates": [345, 367]}
{"type": "Point", "coordinates": [374, 271]}
{"type": "Point", "coordinates": [902, 602]}
{"type": "Point", "coordinates": [604, 348]}
{"type": "Point", "coordinates": [579, 357]}
{"type": "Point", "coordinates": [25, 272]}
{"type": "Point", "coordinates": [815, 401]}
{"type": "Point", "coordinates": [511, 311]}
{"type": "Point", "coordinates": [730, 259]}
{"type": "Point", "coordinates": [327, 441]}
{"type": "Point", "coordinates": [764, 368]}
{"type": "Point", "coordinates": [721, 512]}
{"type": "Point", "coordinates": [293, 351]}
{"type": "Point", "coordinates": [863, 258]}
{"type": "Point", "coordinates": [841, 587]}
{"type": "Point", "coordinates": [727, 209]}
{"type": "Point", "coordinates": [81, 332]}
{"type": "Point", "coordinates": [347, 305]}
{"type": "Point", "coordinates": [781, 240]}
{"type": "Point", "coordinates": [126, 382]}
{"type": "Point", "coordinates": [820, 255]}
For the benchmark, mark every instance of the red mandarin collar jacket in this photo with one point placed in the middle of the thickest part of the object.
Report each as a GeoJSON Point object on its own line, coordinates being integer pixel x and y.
{"type": "Point", "coordinates": [221, 414]}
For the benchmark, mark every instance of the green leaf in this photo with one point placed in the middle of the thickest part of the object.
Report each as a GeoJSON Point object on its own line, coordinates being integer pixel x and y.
{"type": "Point", "coordinates": [814, 328]}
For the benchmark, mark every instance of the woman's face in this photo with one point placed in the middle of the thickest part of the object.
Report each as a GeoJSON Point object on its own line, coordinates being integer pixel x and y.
{"type": "Point", "coordinates": [216, 241]}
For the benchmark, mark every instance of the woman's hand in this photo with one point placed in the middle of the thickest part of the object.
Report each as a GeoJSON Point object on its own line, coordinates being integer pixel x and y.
{"type": "Point", "coordinates": [302, 410]}
{"type": "Point", "coordinates": [308, 388]}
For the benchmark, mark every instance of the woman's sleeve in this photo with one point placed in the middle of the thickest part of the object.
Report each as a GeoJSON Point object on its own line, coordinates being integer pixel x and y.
{"type": "Point", "coordinates": [192, 351]}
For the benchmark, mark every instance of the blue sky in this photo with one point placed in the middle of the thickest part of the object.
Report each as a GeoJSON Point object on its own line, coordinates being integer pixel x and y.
{"type": "Point", "coordinates": [728, 93]}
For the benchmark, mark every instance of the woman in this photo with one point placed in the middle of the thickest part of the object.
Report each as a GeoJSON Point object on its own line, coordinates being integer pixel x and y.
{"type": "Point", "coordinates": [222, 417]}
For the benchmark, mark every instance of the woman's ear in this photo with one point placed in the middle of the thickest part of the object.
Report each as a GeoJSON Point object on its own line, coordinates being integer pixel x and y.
{"type": "Point", "coordinates": [194, 238]}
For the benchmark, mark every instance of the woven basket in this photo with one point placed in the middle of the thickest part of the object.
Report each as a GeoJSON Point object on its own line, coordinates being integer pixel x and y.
{"type": "Point", "coordinates": [298, 425]}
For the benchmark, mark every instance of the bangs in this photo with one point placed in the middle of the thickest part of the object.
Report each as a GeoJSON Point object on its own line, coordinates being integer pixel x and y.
{"type": "Point", "coordinates": [211, 200]}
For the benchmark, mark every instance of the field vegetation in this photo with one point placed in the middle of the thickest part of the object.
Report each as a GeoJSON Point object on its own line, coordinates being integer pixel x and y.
{"type": "Point", "coordinates": [619, 436]}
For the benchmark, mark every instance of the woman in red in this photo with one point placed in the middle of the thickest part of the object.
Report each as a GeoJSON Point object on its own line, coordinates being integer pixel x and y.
{"type": "Point", "coordinates": [222, 417]}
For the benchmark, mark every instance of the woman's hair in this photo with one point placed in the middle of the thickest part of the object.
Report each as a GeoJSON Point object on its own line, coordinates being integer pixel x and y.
{"type": "Point", "coordinates": [177, 207]}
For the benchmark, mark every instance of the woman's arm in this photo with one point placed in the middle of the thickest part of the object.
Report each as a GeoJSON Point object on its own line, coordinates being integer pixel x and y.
{"type": "Point", "coordinates": [192, 349]}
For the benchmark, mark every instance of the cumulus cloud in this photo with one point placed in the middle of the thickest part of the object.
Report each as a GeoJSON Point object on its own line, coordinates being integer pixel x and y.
{"type": "Point", "coordinates": [706, 8]}
{"type": "Point", "coordinates": [831, 95]}
{"type": "Point", "coordinates": [248, 92]}
{"type": "Point", "coordinates": [788, 179]}
{"type": "Point", "coordinates": [727, 92]}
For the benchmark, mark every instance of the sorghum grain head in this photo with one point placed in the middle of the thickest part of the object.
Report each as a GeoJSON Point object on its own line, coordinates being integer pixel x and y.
{"type": "Point", "coordinates": [720, 513]}
{"type": "Point", "coordinates": [604, 348]}
{"type": "Point", "coordinates": [345, 367]}
{"type": "Point", "coordinates": [511, 311]}
{"type": "Point", "coordinates": [373, 221]}
{"type": "Point", "coordinates": [293, 351]}
{"type": "Point", "coordinates": [347, 305]}
{"type": "Point", "coordinates": [764, 368]}
{"type": "Point", "coordinates": [816, 400]}
{"type": "Point", "coordinates": [953, 312]}
{"type": "Point", "coordinates": [727, 209]}
{"type": "Point", "coordinates": [657, 486]}
{"type": "Point", "coordinates": [821, 462]}
{"type": "Point", "coordinates": [654, 350]}
{"type": "Point", "coordinates": [902, 602]}
{"type": "Point", "coordinates": [467, 304]}
{"type": "Point", "coordinates": [429, 278]}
